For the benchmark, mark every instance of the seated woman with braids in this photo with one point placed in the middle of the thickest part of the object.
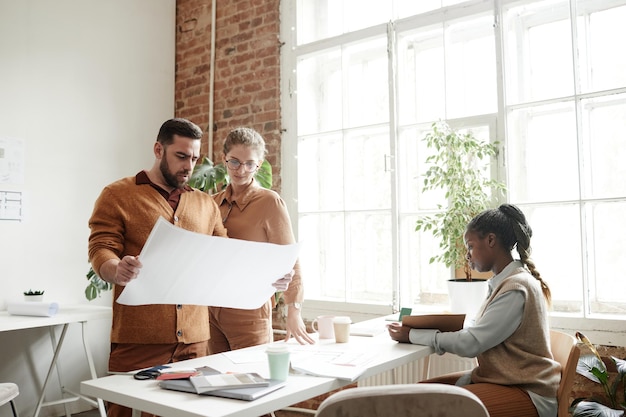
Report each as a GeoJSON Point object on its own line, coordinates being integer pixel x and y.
{"type": "Point", "coordinates": [516, 374]}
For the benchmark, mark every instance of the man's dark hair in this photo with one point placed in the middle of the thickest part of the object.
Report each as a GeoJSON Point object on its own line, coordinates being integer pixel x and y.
{"type": "Point", "coordinates": [180, 127]}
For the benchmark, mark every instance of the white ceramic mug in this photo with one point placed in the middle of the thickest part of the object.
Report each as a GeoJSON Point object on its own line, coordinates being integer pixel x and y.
{"type": "Point", "coordinates": [323, 325]}
{"type": "Point", "coordinates": [341, 326]}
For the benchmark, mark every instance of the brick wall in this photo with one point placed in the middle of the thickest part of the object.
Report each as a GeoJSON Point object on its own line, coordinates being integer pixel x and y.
{"type": "Point", "coordinates": [247, 71]}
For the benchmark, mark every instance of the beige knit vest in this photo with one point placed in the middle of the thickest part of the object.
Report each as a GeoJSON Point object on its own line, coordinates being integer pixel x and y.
{"type": "Point", "coordinates": [524, 359]}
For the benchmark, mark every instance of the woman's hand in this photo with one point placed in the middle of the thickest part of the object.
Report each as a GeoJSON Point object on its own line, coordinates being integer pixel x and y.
{"type": "Point", "coordinates": [296, 327]}
{"type": "Point", "coordinates": [398, 332]}
{"type": "Point", "coordinates": [283, 283]}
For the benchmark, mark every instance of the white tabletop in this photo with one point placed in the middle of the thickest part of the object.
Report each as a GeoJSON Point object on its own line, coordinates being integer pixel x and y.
{"type": "Point", "coordinates": [67, 314]}
{"type": "Point", "coordinates": [148, 396]}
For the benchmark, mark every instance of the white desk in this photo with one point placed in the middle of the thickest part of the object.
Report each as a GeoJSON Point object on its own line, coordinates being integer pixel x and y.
{"type": "Point", "coordinates": [148, 396]}
{"type": "Point", "coordinates": [66, 315]}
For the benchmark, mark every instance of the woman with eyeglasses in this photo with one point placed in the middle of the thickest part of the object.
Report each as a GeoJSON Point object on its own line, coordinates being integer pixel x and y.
{"type": "Point", "coordinates": [251, 212]}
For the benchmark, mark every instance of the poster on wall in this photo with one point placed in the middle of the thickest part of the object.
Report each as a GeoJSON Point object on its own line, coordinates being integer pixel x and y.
{"type": "Point", "coordinates": [11, 160]}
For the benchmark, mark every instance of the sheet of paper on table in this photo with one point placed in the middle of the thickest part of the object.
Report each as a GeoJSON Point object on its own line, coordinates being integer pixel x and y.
{"type": "Point", "coordinates": [336, 364]}
{"type": "Point", "coordinates": [183, 267]}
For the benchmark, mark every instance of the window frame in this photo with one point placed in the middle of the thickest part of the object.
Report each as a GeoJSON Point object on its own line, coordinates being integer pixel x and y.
{"type": "Point", "coordinates": [607, 331]}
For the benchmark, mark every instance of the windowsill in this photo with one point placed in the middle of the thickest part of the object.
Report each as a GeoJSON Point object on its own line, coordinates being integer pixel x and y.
{"type": "Point", "coordinates": [600, 330]}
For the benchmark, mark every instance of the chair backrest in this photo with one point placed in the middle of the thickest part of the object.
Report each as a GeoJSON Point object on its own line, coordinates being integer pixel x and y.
{"type": "Point", "coordinates": [8, 391]}
{"type": "Point", "coordinates": [565, 350]}
{"type": "Point", "coordinates": [403, 400]}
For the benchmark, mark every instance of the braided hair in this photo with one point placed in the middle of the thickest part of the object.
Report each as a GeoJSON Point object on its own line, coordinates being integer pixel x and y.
{"type": "Point", "coordinates": [509, 224]}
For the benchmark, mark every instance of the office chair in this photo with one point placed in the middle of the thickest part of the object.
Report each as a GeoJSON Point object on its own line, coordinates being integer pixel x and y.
{"type": "Point", "coordinates": [8, 391]}
{"type": "Point", "coordinates": [403, 400]}
{"type": "Point", "coordinates": [565, 350]}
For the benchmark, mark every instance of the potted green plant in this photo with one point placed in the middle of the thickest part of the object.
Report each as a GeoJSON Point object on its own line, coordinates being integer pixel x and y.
{"type": "Point", "coordinates": [96, 285]}
{"type": "Point", "coordinates": [592, 367]}
{"type": "Point", "coordinates": [207, 177]}
{"type": "Point", "coordinates": [458, 166]}
{"type": "Point", "coordinates": [35, 295]}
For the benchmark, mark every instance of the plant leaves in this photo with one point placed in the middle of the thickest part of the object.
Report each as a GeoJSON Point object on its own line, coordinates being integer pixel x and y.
{"type": "Point", "coordinates": [457, 166]}
{"type": "Point", "coordinates": [91, 292]}
{"type": "Point", "coordinates": [593, 409]}
{"type": "Point", "coordinates": [96, 285]}
{"type": "Point", "coordinates": [593, 349]}
{"type": "Point", "coordinates": [620, 365]}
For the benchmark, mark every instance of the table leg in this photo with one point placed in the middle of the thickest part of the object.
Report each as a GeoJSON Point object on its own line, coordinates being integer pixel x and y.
{"type": "Point", "coordinates": [52, 366]}
{"type": "Point", "coordinates": [92, 368]}
{"type": "Point", "coordinates": [56, 345]}
{"type": "Point", "coordinates": [92, 372]}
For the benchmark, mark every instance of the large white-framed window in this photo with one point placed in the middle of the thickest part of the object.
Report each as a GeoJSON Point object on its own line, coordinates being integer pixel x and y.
{"type": "Point", "coordinates": [363, 81]}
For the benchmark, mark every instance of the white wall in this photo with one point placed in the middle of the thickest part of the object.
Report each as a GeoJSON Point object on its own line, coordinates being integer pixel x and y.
{"type": "Point", "coordinates": [85, 84]}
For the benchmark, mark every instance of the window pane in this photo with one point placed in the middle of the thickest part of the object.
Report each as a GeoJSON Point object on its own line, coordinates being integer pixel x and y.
{"type": "Point", "coordinates": [543, 154]}
{"type": "Point", "coordinates": [538, 51]}
{"type": "Point", "coordinates": [471, 81]}
{"type": "Point", "coordinates": [319, 94]}
{"type": "Point", "coordinates": [557, 253]}
{"type": "Point", "coordinates": [604, 124]}
{"type": "Point", "coordinates": [368, 257]}
{"type": "Point", "coordinates": [420, 281]}
{"type": "Point", "coordinates": [421, 76]}
{"type": "Point", "coordinates": [320, 188]}
{"type": "Point", "coordinates": [458, 80]}
{"type": "Point", "coordinates": [602, 67]}
{"type": "Point", "coordinates": [323, 256]}
{"type": "Point", "coordinates": [606, 231]}
{"type": "Point", "coordinates": [321, 19]}
{"type": "Point", "coordinates": [365, 170]}
{"type": "Point", "coordinates": [412, 154]}
{"type": "Point", "coordinates": [365, 13]}
{"type": "Point", "coordinates": [328, 19]}
{"type": "Point", "coordinates": [406, 8]}
{"type": "Point", "coordinates": [366, 86]}
{"type": "Point", "coordinates": [347, 256]}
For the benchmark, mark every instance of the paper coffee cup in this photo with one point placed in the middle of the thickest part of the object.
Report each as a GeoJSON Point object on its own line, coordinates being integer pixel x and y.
{"type": "Point", "coordinates": [278, 361]}
{"type": "Point", "coordinates": [341, 326]}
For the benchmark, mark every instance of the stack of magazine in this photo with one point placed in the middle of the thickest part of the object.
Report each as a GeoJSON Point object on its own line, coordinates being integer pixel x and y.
{"type": "Point", "coordinates": [240, 386]}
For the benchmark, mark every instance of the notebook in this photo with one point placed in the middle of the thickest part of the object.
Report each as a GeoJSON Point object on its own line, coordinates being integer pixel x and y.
{"type": "Point", "coordinates": [203, 383]}
{"type": "Point", "coordinates": [443, 322]}
{"type": "Point", "coordinates": [245, 394]}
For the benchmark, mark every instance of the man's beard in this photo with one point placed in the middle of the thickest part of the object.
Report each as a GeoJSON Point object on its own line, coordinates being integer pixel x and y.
{"type": "Point", "coordinates": [170, 178]}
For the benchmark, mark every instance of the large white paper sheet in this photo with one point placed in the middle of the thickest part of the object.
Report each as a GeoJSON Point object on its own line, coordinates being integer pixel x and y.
{"type": "Point", "coordinates": [337, 364]}
{"type": "Point", "coordinates": [183, 267]}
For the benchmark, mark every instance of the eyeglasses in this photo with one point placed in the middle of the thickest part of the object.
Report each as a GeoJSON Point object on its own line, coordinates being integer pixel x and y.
{"type": "Point", "coordinates": [249, 166]}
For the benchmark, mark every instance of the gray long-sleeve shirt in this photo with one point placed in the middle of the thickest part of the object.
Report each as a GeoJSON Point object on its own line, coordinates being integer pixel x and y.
{"type": "Point", "coordinates": [500, 320]}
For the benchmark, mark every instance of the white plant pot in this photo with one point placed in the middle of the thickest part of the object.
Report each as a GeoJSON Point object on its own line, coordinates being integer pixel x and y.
{"type": "Point", "coordinates": [33, 297]}
{"type": "Point", "coordinates": [466, 297]}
